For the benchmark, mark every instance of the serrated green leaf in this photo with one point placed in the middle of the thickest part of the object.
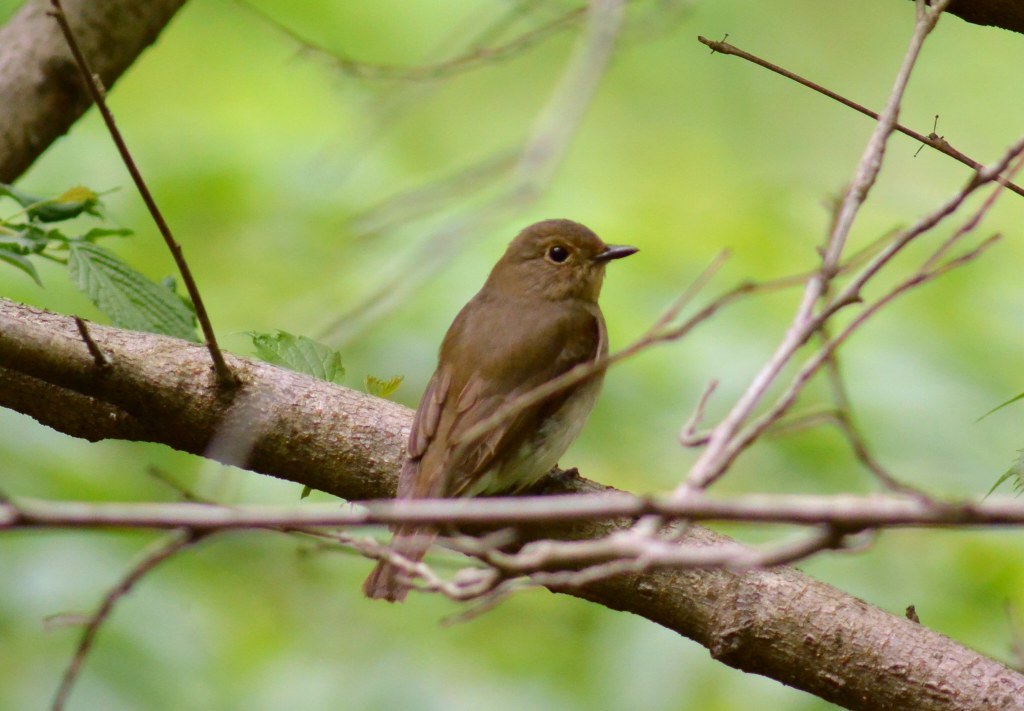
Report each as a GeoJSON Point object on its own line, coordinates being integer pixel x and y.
{"type": "Point", "coordinates": [380, 387]}
{"type": "Point", "coordinates": [20, 262]}
{"type": "Point", "coordinates": [127, 297]}
{"type": "Point", "coordinates": [300, 354]}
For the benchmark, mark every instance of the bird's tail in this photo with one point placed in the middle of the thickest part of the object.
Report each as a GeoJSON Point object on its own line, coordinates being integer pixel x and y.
{"type": "Point", "coordinates": [388, 581]}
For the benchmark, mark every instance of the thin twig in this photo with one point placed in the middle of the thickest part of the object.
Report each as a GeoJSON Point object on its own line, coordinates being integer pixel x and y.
{"type": "Point", "coordinates": [170, 482]}
{"type": "Point", "coordinates": [152, 556]}
{"type": "Point", "coordinates": [92, 81]}
{"type": "Point", "coordinates": [470, 60]}
{"type": "Point", "coordinates": [561, 117]}
{"type": "Point", "coordinates": [688, 436]}
{"type": "Point", "coordinates": [709, 465]}
{"type": "Point", "coordinates": [932, 140]}
{"type": "Point", "coordinates": [751, 432]}
{"type": "Point", "coordinates": [100, 358]}
{"type": "Point", "coordinates": [844, 511]}
{"type": "Point", "coordinates": [980, 213]}
{"type": "Point", "coordinates": [850, 293]}
{"type": "Point", "coordinates": [721, 444]}
{"type": "Point", "coordinates": [393, 212]}
{"type": "Point", "coordinates": [736, 557]}
{"type": "Point", "coordinates": [871, 161]}
{"type": "Point", "coordinates": [536, 163]}
{"type": "Point", "coordinates": [846, 423]}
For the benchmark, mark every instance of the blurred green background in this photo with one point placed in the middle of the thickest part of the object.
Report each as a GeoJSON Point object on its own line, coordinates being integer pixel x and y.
{"type": "Point", "coordinates": [266, 158]}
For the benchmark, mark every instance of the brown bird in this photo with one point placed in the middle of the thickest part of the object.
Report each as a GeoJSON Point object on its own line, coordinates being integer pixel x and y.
{"type": "Point", "coordinates": [535, 318]}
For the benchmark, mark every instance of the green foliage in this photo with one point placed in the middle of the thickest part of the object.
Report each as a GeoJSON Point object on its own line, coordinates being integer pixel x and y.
{"type": "Point", "coordinates": [71, 203]}
{"type": "Point", "coordinates": [1016, 471]}
{"type": "Point", "coordinates": [379, 387]}
{"type": "Point", "coordinates": [300, 354]}
{"type": "Point", "coordinates": [15, 259]}
{"type": "Point", "coordinates": [1014, 474]}
{"type": "Point", "coordinates": [129, 298]}
{"type": "Point", "coordinates": [1000, 406]}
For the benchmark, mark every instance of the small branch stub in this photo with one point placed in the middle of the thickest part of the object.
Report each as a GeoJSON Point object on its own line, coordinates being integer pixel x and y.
{"type": "Point", "coordinates": [99, 357]}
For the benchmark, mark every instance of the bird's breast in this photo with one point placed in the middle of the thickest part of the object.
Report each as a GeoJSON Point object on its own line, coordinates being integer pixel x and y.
{"type": "Point", "coordinates": [540, 452]}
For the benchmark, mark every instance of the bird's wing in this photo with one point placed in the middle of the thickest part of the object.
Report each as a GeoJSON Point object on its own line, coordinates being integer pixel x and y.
{"type": "Point", "coordinates": [545, 353]}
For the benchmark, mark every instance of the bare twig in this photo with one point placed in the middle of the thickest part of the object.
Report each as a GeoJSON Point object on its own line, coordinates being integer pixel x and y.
{"type": "Point", "coordinates": [92, 82]}
{"type": "Point", "coordinates": [750, 433]}
{"type": "Point", "coordinates": [407, 206]}
{"type": "Point", "coordinates": [473, 59]}
{"type": "Point", "coordinates": [846, 423]}
{"type": "Point", "coordinates": [932, 140]}
{"type": "Point", "coordinates": [851, 292]}
{"type": "Point", "coordinates": [558, 122]}
{"type": "Point", "coordinates": [845, 511]}
{"type": "Point", "coordinates": [635, 554]}
{"type": "Point", "coordinates": [536, 163]}
{"type": "Point", "coordinates": [170, 482]}
{"type": "Point", "coordinates": [1017, 152]}
{"type": "Point", "coordinates": [689, 436]}
{"type": "Point", "coordinates": [709, 466]}
{"type": "Point", "coordinates": [152, 556]}
{"type": "Point", "coordinates": [721, 445]}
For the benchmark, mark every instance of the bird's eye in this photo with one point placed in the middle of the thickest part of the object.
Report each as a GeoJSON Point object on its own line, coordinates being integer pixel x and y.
{"type": "Point", "coordinates": [558, 254]}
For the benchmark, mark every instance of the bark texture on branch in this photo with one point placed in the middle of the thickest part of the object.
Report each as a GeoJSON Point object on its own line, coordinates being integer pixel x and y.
{"type": "Point", "coordinates": [41, 89]}
{"type": "Point", "coordinates": [779, 623]}
{"type": "Point", "coordinates": [1008, 14]}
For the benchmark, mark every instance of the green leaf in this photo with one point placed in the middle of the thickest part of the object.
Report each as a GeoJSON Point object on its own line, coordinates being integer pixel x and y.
{"type": "Point", "coordinates": [23, 198]}
{"type": "Point", "coordinates": [129, 298]}
{"type": "Point", "coordinates": [306, 491]}
{"type": "Point", "coordinates": [1012, 400]}
{"type": "Point", "coordinates": [171, 284]}
{"type": "Point", "coordinates": [21, 262]}
{"type": "Point", "coordinates": [99, 232]}
{"type": "Point", "coordinates": [71, 203]}
{"type": "Point", "coordinates": [20, 242]}
{"type": "Point", "coordinates": [300, 354]}
{"type": "Point", "coordinates": [1015, 472]}
{"type": "Point", "coordinates": [382, 388]}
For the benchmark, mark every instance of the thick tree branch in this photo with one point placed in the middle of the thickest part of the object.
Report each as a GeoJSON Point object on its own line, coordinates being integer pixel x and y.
{"type": "Point", "coordinates": [164, 390]}
{"type": "Point", "coordinates": [1008, 14]}
{"type": "Point", "coordinates": [42, 92]}
{"type": "Point", "coordinates": [779, 623]}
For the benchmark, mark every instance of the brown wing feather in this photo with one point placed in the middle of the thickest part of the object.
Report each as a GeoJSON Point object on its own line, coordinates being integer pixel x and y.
{"type": "Point", "coordinates": [424, 430]}
{"type": "Point", "coordinates": [549, 350]}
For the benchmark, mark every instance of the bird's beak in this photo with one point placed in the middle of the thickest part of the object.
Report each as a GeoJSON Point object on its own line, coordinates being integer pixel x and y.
{"type": "Point", "coordinates": [614, 251]}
